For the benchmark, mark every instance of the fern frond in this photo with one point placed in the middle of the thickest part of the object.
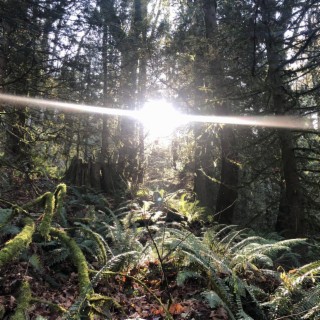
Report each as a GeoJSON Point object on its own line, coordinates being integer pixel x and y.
{"type": "Point", "coordinates": [117, 263]}
{"type": "Point", "coordinates": [184, 275]}
{"type": "Point", "coordinates": [58, 255]}
{"type": "Point", "coordinates": [230, 237]}
{"type": "Point", "coordinates": [313, 267]}
{"type": "Point", "coordinates": [243, 243]}
{"type": "Point", "coordinates": [224, 229]}
{"type": "Point", "coordinates": [99, 240]}
{"type": "Point", "coordinates": [5, 216]}
{"type": "Point", "coordinates": [90, 247]}
{"type": "Point", "coordinates": [9, 229]}
{"type": "Point", "coordinates": [310, 300]}
{"type": "Point", "coordinates": [35, 261]}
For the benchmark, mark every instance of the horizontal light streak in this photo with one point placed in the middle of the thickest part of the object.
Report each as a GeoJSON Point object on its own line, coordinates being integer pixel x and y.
{"type": "Point", "coordinates": [288, 122]}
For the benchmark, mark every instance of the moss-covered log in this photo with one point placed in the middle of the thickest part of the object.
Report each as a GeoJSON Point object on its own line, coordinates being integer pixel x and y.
{"type": "Point", "coordinates": [78, 260]}
{"type": "Point", "coordinates": [21, 241]}
{"type": "Point", "coordinates": [45, 225]}
{"type": "Point", "coordinates": [23, 302]}
{"type": "Point", "coordinates": [59, 195]}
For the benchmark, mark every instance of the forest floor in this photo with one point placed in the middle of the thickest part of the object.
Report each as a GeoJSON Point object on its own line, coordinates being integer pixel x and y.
{"type": "Point", "coordinates": [56, 286]}
{"type": "Point", "coordinates": [144, 260]}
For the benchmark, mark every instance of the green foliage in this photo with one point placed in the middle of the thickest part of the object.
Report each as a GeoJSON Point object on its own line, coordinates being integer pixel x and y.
{"type": "Point", "coordinates": [9, 229]}
{"type": "Point", "coordinates": [120, 238]}
{"type": "Point", "coordinates": [199, 255]}
{"type": "Point", "coordinates": [298, 296]}
{"type": "Point", "coordinates": [35, 261]}
{"type": "Point", "coordinates": [5, 216]}
{"type": "Point", "coordinates": [97, 239]}
{"type": "Point", "coordinates": [184, 275]}
{"type": "Point", "coordinates": [231, 261]}
{"type": "Point", "coordinates": [191, 209]}
{"type": "Point", "coordinates": [231, 253]}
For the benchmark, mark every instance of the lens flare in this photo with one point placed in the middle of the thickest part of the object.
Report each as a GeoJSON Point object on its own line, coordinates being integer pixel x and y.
{"type": "Point", "coordinates": [160, 116]}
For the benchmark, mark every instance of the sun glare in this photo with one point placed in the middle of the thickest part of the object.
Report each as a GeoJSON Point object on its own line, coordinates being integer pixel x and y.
{"type": "Point", "coordinates": [159, 118]}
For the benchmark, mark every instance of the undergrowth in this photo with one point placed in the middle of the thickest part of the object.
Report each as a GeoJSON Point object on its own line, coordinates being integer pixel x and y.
{"type": "Point", "coordinates": [113, 257]}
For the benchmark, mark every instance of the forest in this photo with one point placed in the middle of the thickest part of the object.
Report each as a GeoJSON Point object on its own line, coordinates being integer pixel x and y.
{"type": "Point", "coordinates": [160, 159]}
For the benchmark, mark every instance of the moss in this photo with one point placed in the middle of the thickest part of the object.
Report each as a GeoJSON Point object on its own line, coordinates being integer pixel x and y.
{"type": "Point", "coordinates": [45, 225]}
{"type": "Point", "coordinates": [21, 241]}
{"type": "Point", "coordinates": [52, 306]}
{"type": "Point", "coordinates": [23, 302]}
{"type": "Point", "coordinates": [78, 260]}
{"type": "Point", "coordinates": [59, 194]}
{"type": "Point", "coordinates": [60, 191]}
{"type": "Point", "coordinates": [35, 201]}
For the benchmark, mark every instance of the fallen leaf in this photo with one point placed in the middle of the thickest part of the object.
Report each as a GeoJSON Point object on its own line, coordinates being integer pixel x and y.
{"type": "Point", "coordinates": [157, 311]}
{"type": "Point", "coordinates": [176, 308]}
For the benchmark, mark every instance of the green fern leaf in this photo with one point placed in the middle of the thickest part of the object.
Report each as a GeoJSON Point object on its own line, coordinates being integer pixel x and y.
{"type": "Point", "coordinates": [35, 261]}
{"type": "Point", "coordinates": [213, 299]}
{"type": "Point", "coordinates": [183, 276]}
{"type": "Point", "coordinates": [57, 256]}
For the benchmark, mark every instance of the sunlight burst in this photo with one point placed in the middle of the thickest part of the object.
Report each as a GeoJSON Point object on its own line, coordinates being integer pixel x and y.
{"type": "Point", "coordinates": [160, 118]}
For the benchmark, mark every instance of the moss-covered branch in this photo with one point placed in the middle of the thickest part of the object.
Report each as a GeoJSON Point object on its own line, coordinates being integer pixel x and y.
{"type": "Point", "coordinates": [23, 302]}
{"type": "Point", "coordinates": [59, 195]}
{"type": "Point", "coordinates": [78, 260]}
{"type": "Point", "coordinates": [45, 225]}
{"type": "Point", "coordinates": [38, 200]}
{"type": "Point", "coordinates": [55, 307]}
{"type": "Point", "coordinates": [21, 241]}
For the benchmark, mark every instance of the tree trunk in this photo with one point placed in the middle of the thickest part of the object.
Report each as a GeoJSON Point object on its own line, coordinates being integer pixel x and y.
{"type": "Point", "coordinates": [104, 133]}
{"type": "Point", "coordinates": [227, 193]}
{"type": "Point", "coordinates": [204, 168]}
{"type": "Point", "coordinates": [290, 219]}
{"type": "Point", "coordinates": [142, 85]}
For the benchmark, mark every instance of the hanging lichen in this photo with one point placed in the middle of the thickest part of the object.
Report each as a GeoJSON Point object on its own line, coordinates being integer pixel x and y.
{"type": "Point", "coordinates": [78, 259]}
{"type": "Point", "coordinates": [45, 225]}
{"type": "Point", "coordinates": [21, 241]}
{"type": "Point", "coordinates": [23, 302]}
{"type": "Point", "coordinates": [59, 194]}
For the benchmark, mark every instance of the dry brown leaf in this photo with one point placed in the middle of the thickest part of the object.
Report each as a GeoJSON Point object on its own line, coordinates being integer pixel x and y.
{"type": "Point", "coordinates": [176, 308]}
